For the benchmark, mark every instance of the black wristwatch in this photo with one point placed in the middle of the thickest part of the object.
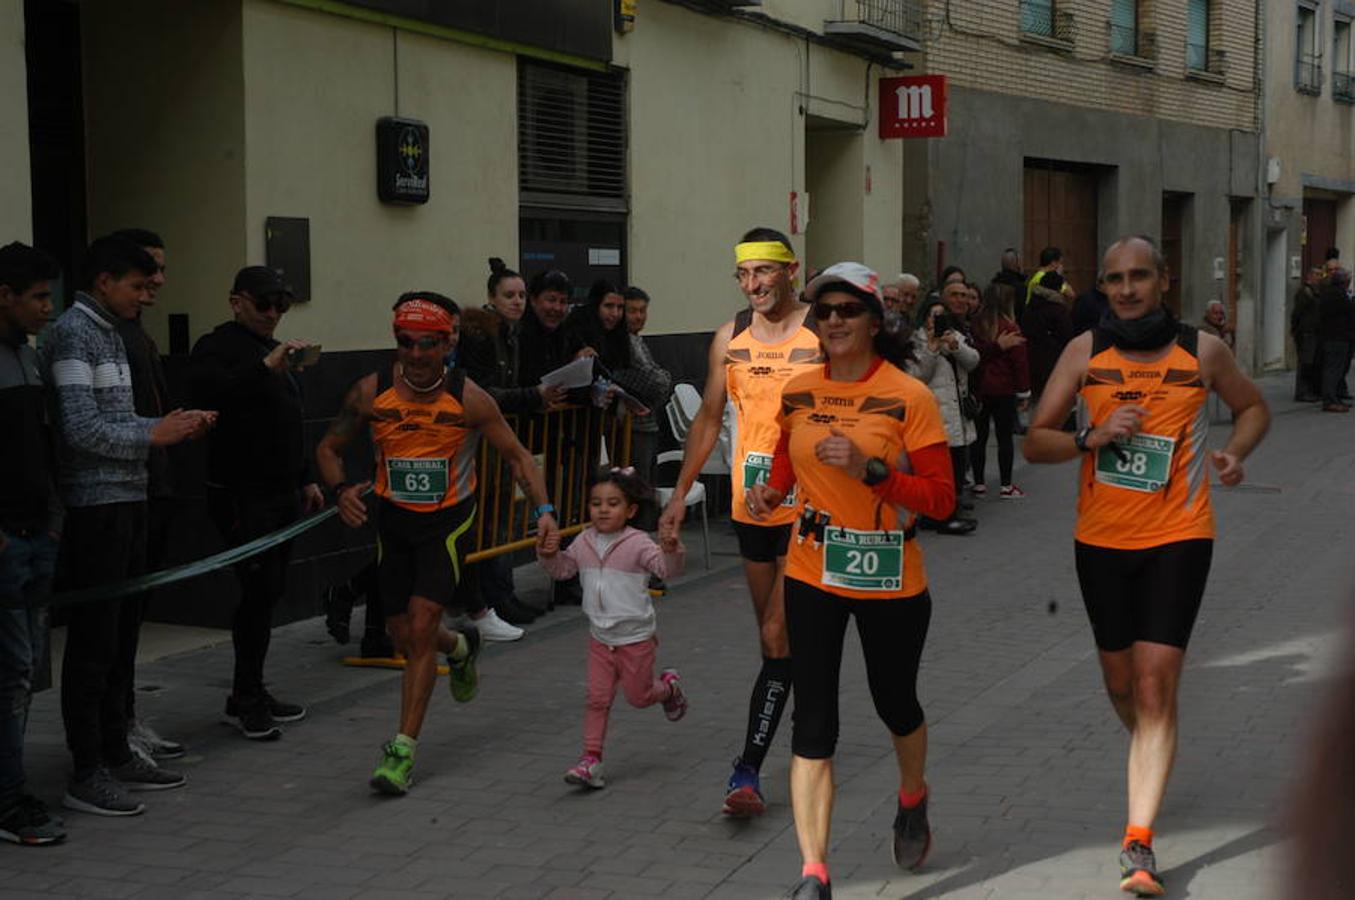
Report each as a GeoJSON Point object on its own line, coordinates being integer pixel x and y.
{"type": "Point", "coordinates": [877, 470]}
{"type": "Point", "coordinates": [1080, 438]}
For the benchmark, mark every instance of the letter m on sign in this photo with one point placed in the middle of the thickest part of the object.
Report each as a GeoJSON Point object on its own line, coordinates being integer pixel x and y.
{"type": "Point", "coordinates": [913, 106]}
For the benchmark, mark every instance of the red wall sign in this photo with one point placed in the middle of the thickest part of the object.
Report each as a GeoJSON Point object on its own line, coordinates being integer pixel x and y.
{"type": "Point", "coordinates": [913, 106]}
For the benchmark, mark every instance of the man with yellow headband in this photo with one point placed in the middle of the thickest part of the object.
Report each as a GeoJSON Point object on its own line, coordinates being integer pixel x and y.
{"type": "Point", "coordinates": [751, 358]}
{"type": "Point", "coordinates": [425, 421]}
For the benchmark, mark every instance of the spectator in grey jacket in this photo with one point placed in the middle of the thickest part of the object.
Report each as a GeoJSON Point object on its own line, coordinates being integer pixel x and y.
{"type": "Point", "coordinates": [30, 523]}
{"type": "Point", "coordinates": [102, 482]}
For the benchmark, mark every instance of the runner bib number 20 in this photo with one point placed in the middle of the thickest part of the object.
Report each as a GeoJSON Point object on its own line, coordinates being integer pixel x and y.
{"type": "Point", "coordinates": [1144, 463]}
{"type": "Point", "coordinates": [417, 480]}
{"type": "Point", "coordinates": [863, 560]}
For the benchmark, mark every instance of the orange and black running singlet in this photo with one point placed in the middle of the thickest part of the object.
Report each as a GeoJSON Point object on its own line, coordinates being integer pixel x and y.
{"type": "Point", "coordinates": [425, 454]}
{"type": "Point", "coordinates": [755, 372]}
{"type": "Point", "coordinates": [1155, 490]}
{"type": "Point", "coordinates": [848, 541]}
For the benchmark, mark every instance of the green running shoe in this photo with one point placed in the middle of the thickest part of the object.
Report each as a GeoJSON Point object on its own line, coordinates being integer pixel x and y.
{"type": "Point", "coordinates": [392, 775]}
{"type": "Point", "coordinates": [464, 676]}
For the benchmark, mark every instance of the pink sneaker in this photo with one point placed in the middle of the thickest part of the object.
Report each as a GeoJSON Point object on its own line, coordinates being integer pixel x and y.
{"type": "Point", "coordinates": [587, 772]}
{"type": "Point", "coordinates": [1012, 492]}
{"type": "Point", "coordinates": [675, 707]}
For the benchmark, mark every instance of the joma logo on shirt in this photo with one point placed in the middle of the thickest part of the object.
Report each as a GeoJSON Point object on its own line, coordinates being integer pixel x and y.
{"type": "Point", "coordinates": [838, 401]}
{"type": "Point", "coordinates": [770, 354]}
{"type": "Point", "coordinates": [1143, 373]}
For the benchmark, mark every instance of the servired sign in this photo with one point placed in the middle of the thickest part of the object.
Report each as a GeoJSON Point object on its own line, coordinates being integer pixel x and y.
{"type": "Point", "coordinates": [913, 106]}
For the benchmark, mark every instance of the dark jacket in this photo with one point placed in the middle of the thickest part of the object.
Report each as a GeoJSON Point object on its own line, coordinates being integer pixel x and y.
{"type": "Point", "coordinates": [1336, 314]}
{"type": "Point", "coordinates": [1048, 328]}
{"type": "Point", "coordinates": [27, 456]}
{"type": "Point", "coordinates": [150, 397]}
{"type": "Point", "coordinates": [490, 352]}
{"type": "Point", "coordinates": [1002, 373]}
{"type": "Point", "coordinates": [1088, 309]}
{"type": "Point", "coordinates": [258, 446]}
{"type": "Point", "coordinates": [543, 351]}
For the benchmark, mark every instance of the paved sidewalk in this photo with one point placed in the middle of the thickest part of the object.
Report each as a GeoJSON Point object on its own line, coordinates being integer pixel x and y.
{"type": "Point", "coordinates": [1026, 767]}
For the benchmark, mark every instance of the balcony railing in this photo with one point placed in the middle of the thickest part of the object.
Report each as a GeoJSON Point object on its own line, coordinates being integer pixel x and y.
{"type": "Point", "coordinates": [1308, 74]}
{"type": "Point", "coordinates": [880, 24]}
{"type": "Point", "coordinates": [1343, 86]}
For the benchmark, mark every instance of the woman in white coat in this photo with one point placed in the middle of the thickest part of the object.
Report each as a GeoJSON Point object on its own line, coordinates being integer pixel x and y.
{"type": "Point", "coordinates": [943, 358]}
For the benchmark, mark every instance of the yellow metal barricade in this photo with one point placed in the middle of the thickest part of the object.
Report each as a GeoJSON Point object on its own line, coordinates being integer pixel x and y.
{"type": "Point", "coordinates": [569, 444]}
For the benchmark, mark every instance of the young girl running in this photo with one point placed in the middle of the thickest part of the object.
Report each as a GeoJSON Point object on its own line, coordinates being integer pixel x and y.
{"type": "Point", "coordinates": [614, 562]}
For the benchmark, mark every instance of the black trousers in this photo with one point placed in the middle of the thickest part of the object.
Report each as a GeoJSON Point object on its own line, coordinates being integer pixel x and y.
{"type": "Point", "coordinates": [99, 545]}
{"type": "Point", "coordinates": [263, 579]}
{"type": "Point", "coordinates": [160, 517]}
{"type": "Point", "coordinates": [1335, 364]}
{"type": "Point", "coordinates": [1002, 412]}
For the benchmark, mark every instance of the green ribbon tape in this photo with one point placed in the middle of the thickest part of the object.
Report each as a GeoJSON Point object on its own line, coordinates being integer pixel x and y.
{"type": "Point", "coordinates": [187, 570]}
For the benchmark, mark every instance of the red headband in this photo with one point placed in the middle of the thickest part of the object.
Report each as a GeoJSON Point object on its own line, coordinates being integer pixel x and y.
{"type": "Point", "coordinates": [423, 315]}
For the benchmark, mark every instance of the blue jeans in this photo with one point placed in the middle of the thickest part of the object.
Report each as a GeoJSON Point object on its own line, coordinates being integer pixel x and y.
{"type": "Point", "coordinates": [26, 566]}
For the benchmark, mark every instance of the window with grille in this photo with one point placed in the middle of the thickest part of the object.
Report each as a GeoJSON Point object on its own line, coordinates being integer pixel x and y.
{"type": "Point", "coordinates": [571, 131]}
{"type": "Point", "coordinates": [1197, 35]}
{"type": "Point", "coordinates": [1037, 17]}
{"type": "Point", "coordinates": [1124, 27]}
{"type": "Point", "coordinates": [1307, 61]}
{"type": "Point", "coordinates": [1342, 84]}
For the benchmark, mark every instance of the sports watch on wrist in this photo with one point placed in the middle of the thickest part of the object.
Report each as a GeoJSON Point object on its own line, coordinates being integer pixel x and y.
{"type": "Point", "coordinates": [877, 470]}
{"type": "Point", "coordinates": [1080, 438]}
{"type": "Point", "coordinates": [543, 509]}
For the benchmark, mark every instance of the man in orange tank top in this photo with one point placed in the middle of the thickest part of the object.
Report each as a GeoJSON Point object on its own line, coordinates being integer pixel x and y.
{"type": "Point", "coordinates": [425, 421]}
{"type": "Point", "coordinates": [751, 358]}
{"type": "Point", "coordinates": [1145, 527]}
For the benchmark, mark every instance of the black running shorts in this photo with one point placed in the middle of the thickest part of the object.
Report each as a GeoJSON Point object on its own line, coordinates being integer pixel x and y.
{"type": "Point", "coordinates": [762, 543]}
{"type": "Point", "coordinates": [1152, 594]}
{"type": "Point", "coordinates": [423, 554]}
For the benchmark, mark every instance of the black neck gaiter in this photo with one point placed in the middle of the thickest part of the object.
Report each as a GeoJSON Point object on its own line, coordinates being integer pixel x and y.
{"type": "Point", "coordinates": [1151, 332]}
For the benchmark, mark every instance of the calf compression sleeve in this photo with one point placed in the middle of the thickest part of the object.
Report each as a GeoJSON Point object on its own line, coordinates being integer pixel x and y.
{"type": "Point", "coordinates": [771, 692]}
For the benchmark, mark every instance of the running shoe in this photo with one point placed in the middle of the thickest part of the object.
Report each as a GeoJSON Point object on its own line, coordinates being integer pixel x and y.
{"type": "Point", "coordinates": [979, 490]}
{"type": "Point", "coordinates": [145, 738]}
{"type": "Point", "coordinates": [493, 628]}
{"type": "Point", "coordinates": [101, 795]}
{"type": "Point", "coordinates": [1012, 492]}
{"type": "Point", "coordinates": [142, 774]}
{"type": "Point", "coordinates": [587, 772]}
{"type": "Point", "coordinates": [28, 822]}
{"type": "Point", "coordinates": [810, 888]}
{"type": "Point", "coordinates": [1138, 871]}
{"type": "Point", "coordinates": [675, 707]}
{"type": "Point", "coordinates": [912, 836]}
{"type": "Point", "coordinates": [392, 775]}
{"type": "Point", "coordinates": [464, 679]}
{"type": "Point", "coordinates": [252, 718]}
{"type": "Point", "coordinates": [743, 794]}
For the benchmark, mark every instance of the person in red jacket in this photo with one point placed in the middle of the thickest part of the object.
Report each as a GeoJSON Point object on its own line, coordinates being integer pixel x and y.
{"type": "Point", "coordinates": [1003, 385]}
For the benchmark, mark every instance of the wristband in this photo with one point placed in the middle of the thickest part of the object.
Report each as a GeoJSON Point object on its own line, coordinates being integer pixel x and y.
{"type": "Point", "coordinates": [543, 509]}
{"type": "Point", "coordinates": [1080, 439]}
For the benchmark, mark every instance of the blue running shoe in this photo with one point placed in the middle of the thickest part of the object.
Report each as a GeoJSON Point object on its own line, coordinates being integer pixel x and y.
{"type": "Point", "coordinates": [743, 795]}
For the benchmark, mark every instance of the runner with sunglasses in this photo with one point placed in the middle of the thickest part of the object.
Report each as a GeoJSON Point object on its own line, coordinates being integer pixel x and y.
{"type": "Point", "coordinates": [863, 447]}
{"type": "Point", "coordinates": [425, 421]}
{"type": "Point", "coordinates": [751, 358]}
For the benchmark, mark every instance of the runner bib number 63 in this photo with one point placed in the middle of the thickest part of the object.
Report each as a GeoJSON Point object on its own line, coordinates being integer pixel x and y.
{"type": "Point", "coordinates": [417, 480]}
{"type": "Point", "coordinates": [1143, 463]}
{"type": "Point", "coordinates": [863, 560]}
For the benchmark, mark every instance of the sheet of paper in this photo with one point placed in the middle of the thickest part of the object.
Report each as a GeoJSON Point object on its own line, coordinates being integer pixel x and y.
{"type": "Point", "coordinates": [575, 374]}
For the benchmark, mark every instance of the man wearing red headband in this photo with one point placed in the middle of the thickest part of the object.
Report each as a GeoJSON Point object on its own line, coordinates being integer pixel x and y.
{"type": "Point", "coordinates": [425, 421]}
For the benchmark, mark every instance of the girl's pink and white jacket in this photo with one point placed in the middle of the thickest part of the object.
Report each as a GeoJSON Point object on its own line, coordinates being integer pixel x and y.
{"type": "Point", "coordinates": [614, 571]}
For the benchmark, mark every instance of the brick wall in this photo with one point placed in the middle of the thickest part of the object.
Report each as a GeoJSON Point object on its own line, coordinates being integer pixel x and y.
{"type": "Point", "coordinates": [979, 44]}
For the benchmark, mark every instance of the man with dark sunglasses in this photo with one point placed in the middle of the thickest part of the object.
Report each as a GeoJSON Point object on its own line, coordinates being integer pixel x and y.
{"type": "Point", "coordinates": [258, 476]}
{"type": "Point", "coordinates": [751, 358]}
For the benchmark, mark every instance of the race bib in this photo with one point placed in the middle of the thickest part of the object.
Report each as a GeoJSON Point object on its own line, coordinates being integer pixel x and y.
{"type": "Point", "coordinates": [417, 480]}
{"type": "Point", "coordinates": [1144, 463]}
{"type": "Point", "coordinates": [863, 560]}
{"type": "Point", "coordinates": [757, 468]}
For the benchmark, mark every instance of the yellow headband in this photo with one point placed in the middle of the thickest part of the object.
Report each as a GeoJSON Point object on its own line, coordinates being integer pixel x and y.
{"type": "Point", "coordinates": [775, 251]}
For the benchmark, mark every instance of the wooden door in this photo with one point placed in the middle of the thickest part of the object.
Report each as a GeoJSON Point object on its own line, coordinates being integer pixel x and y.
{"type": "Point", "coordinates": [1320, 230]}
{"type": "Point", "coordinates": [1060, 211]}
{"type": "Point", "coordinates": [1173, 219]}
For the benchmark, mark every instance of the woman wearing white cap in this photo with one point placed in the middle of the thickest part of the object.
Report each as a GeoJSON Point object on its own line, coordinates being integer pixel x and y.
{"type": "Point", "coordinates": [864, 445]}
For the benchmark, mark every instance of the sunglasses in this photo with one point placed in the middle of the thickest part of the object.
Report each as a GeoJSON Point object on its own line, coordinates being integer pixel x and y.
{"type": "Point", "coordinates": [849, 310]}
{"type": "Point", "coordinates": [270, 303]}
{"type": "Point", "coordinates": [423, 343]}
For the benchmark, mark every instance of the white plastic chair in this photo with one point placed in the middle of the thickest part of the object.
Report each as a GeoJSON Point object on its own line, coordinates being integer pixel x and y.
{"type": "Point", "coordinates": [697, 495]}
{"type": "Point", "coordinates": [682, 409]}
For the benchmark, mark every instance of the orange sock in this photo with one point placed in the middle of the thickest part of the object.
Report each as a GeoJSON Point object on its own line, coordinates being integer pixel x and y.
{"type": "Point", "coordinates": [1138, 833]}
{"type": "Point", "coordinates": [818, 870]}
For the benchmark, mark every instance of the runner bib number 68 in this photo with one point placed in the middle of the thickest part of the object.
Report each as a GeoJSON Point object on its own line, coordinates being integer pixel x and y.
{"type": "Point", "coordinates": [863, 560]}
{"type": "Point", "coordinates": [1143, 464]}
{"type": "Point", "coordinates": [417, 480]}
